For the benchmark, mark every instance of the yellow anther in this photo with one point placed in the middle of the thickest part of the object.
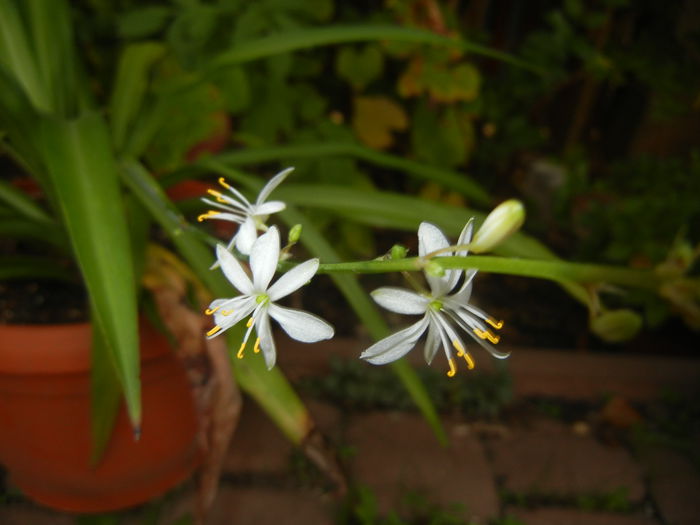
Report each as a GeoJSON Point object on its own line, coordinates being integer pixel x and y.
{"type": "Point", "coordinates": [222, 181]}
{"type": "Point", "coordinates": [453, 368]}
{"type": "Point", "coordinates": [226, 312]}
{"type": "Point", "coordinates": [256, 348]}
{"type": "Point", "coordinates": [219, 197]}
{"type": "Point", "coordinates": [239, 354]}
{"type": "Point", "coordinates": [469, 360]}
{"type": "Point", "coordinates": [213, 330]}
{"type": "Point", "coordinates": [497, 325]}
{"type": "Point", "coordinates": [458, 347]}
{"type": "Point", "coordinates": [249, 323]}
{"type": "Point", "coordinates": [210, 311]}
{"type": "Point", "coordinates": [487, 335]}
{"type": "Point", "coordinates": [208, 215]}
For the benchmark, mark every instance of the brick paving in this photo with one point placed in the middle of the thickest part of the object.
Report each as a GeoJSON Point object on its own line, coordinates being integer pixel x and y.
{"type": "Point", "coordinates": [533, 471]}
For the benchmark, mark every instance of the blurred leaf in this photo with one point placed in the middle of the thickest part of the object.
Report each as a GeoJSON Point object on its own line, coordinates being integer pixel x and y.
{"type": "Point", "coordinates": [142, 22]}
{"type": "Point", "coordinates": [442, 81]}
{"type": "Point", "coordinates": [441, 139]}
{"type": "Point", "coordinates": [235, 88]}
{"type": "Point", "coordinates": [359, 66]}
{"type": "Point", "coordinates": [105, 392]}
{"type": "Point", "coordinates": [130, 86]}
{"type": "Point", "coordinates": [374, 119]}
{"type": "Point", "coordinates": [78, 155]}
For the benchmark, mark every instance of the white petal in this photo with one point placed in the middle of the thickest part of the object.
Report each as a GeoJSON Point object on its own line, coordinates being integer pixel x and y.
{"type": "Point", "coordinates": [268, 208]}
{"type": "Point", "coordinates": [293, 279]}
{"type": "Point", "coordinates": [396, 345]}
{"type": "Point", "coordinates": [233, 310]}
{"type": "Point", "coordinates": [400, 300]}
{"type": "Point", "coordinates": [267, 342]}
{"type": "Point", "coordinates": [430, 238]}
{"type": "Point", "coordinates": [264, 257]}
{"type": "Point", "coordinates": [300, 325]}
{"type": "Point", "coordinates": [272, 184]}
{"type": "Point", "coordinates": [233, 270]}
{"type": "Point", "coordinates": [464, 238]}
{"type": "Point", "coordinates": [246, 236]}
{"type": "Point", "coordinates": [465, 291]}
{"type": "Point", "coordinates": [432, 344]}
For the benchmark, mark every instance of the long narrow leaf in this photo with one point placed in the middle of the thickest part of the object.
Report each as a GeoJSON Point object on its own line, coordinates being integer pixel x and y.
{"type": "Point", "coordinates": [84, 177]}
{"type": "Point", "coordinates": [306, 38]}
{"type": "Point", "coordinates": [450, 179]}
{"type": "Point", "coordinates": [130, 86]}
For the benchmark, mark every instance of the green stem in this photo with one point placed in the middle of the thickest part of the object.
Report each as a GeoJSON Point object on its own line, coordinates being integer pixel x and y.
{"type": "Point", "coordinates": [553, 270]}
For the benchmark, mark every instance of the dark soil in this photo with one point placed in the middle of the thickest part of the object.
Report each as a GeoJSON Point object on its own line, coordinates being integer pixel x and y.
{"type": "Point", "coordinates": [42, 302]}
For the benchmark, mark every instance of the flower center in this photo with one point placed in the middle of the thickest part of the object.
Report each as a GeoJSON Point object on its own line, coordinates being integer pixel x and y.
{"type": "Point", "coordinates": [436, 305]}
{"type": "Point", "coordinates": [262, 298]}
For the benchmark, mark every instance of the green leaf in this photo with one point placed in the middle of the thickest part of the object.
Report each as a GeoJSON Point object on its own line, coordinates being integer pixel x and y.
{"type": "Point", "coordinates": [142, 22]}
{"type": "Point", "coordinates": [105, 393]}
{"type": "Point", "coordinates": [130, 87]}
{"type": "Point", "coordinates": [359, 67]}
{"type": "Point", "coordinates": [83, 175]}
{"type": "Point", "coordinates": [307, 38]}
{"type": "Point", "coordinates": [450, 179]}
{"type": "Point", "coordinates": [23, 205]}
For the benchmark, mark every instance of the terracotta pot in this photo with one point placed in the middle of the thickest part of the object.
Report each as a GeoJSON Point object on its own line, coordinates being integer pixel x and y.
{"type": "Point", "coordinates": [45, 438]}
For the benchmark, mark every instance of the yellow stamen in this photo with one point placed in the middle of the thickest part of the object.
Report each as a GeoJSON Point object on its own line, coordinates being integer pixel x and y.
{"type": "Point", "coordinates": [226, 312]}
{"type": "Point", "coordinates": [210, 311]}
{"type": "Point", "coordinates": [497, 325]}
{"type": "Point", "coordinates": [222, 181]}
{"type": "Point", "coordinates": [239, 355]}
{"type": "Point", "coordinates": [458, 347]}
{"type": "Point", "coordinates": [469, 360]}
{"type": "Point", "coordinates": [249, 323]}
{"type": "Point", "coordinates": [213, 330]}
{"type": "Point", "coordinates": [487, 335]}
{"type": "Point", "coordinates": [453, 368]}
{"type": "Point", "coordinates": [219, 197]}
{"type": "Point", "coordinates": [208, 215]}
{"type": "Point", "coordinates": [256, 348]}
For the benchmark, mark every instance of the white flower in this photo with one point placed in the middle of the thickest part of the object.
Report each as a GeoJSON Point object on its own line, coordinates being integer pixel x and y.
{"type": "Point", "coordinates": [238, 209]}
{"type": "Point", "coordinates": [443, 312]}
{"type": "Point", "coordinates": [257, 298]}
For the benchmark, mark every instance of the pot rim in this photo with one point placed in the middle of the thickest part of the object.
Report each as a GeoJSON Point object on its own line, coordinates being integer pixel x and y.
{"type": "Point", "coordinates": [62, 348]}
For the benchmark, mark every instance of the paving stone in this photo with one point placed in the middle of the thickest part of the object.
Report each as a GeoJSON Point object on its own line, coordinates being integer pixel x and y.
{"type": "Point", "coordinates": [263, 506]}
{"type": "Point", "coordinates": [257, 444]}
{"type": "Point", "coordinates": [397, 452]}
{"type": "Point", "coordinates": [549, 459]}
{"type": "Point", "coordinates": [554, 516]}
{"type": "Point", "coordinates": [674, 485]}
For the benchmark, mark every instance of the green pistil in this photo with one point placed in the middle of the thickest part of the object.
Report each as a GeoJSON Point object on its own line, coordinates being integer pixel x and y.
{"type": "Point", "coordinates": [262, 298]}
{"type": "Point", "coordinates": [436, 305]}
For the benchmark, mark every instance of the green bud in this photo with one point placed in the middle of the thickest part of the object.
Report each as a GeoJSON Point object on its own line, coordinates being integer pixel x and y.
{"type": "Point", "coordinates": [616, 326]}
{"type": "Point", "coordinates": [434, 269]}
{"type": "Point", "coordinates": [398, 251]}
{"type": "Point", "coordinates": [294, 234]}
{"type": "Point", "coordinates": [504, 220]}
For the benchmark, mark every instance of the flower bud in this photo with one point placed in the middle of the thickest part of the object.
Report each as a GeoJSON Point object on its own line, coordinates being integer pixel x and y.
{"type": "Point", "coordinates": [434, 269]}
{"type": "Point", "coordinates": [616, 326]}
{"type": "Point", "coordinates": [294, 234]}
{"type": "Point", "coordinates": [505, 219]}
{"type": "Point", "coordinates": [398, 251]}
